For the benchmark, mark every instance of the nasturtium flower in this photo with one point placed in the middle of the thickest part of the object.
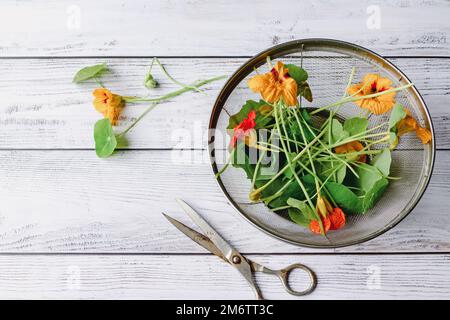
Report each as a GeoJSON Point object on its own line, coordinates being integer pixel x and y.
{"type": "Point", "coordinates": [373, 83]}
{"type": "Point", "coordinates": [409, 124]}
{"type": "Point", "coordinates": [108, 104]}
{"type": "Point", "coordinates": [337, 219]}
{"type": "Point", "coordinates": [423, 134]}
{"type": "Point", "coordinates": [276, 84]}
{"type": "Point", "coordinates": [314, 225]}
{"type": "Point", "coordinates": [245, 130]}
{"type": "Point", "coordinates": [331, 218]}
{"type": "Point", "coordinates": [353, 146]}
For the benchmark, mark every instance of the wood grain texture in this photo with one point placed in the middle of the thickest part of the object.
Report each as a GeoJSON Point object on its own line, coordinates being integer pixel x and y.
{"type": "Point", "coordinates": [206, 277]}
{"type": "Point", "coordinates": [71, 201]}
{"type": "Point", "coordinates": [42, 108]}
{"type": "Point", "coordinates": [200, 27]}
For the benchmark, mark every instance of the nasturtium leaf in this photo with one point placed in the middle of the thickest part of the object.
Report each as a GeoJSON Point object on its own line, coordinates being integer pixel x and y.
{"type": "Point", "coordinates": [373, 195]}
{"type": "Point", "coordinates": [297, 73]}
{"type": "Point", "coordinates": [368, 176]}
{"type": "Point", "coordinates": [345, 198]}
{"type": "Point", "coordinates": [240, 159]}
{"type": "Point", "coordinates": [105, 140]}
{"type": "Point", "coordinates": [355, 125]}
{"type": "Point", "coordinates": [304, 208]}
{"type": "Point", "coordinates": [89, 72]}
{"type": "Point", "coordinates": [298, 217]}
{"type": "Point", "coordinates": [340, 173]}
{"type": "Point", "coordinates": [382, 161]}
{"type": "Point", "coordinates": [304, 90]}
{"type": "Point", "coordinates": [337, 131]}
{"type": "Point", "coordinates": [398, 113]}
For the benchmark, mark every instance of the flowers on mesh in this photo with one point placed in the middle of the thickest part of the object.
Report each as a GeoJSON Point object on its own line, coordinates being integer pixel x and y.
{"type": "Point", "coordinates": [331, 218]}
{"type": "Point", "coordinates": [409, 124]}
{"type": "Point", "coordinates": [245, 130]}
{"type": "Point", "coordinates": [371, 84]}
{"type": "Point", "coordinates": [276, 84]}
{"type": "Point", "coordinates": [353, 146]}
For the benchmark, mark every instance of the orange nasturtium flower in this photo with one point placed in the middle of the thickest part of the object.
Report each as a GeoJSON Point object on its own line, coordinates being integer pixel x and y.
{"type": "Point", "coordinates": [276, 84]}
{"type": "Point", "coordinates": [373, 83]}
{"type": "Point", "coordinates": [332, 218]}
{"type": "Point", "coordinates": [353, 146]}
{"type": "Point", "coordinates": [108, 104]}
{"type": "Point", "coordinates": [409, 124]}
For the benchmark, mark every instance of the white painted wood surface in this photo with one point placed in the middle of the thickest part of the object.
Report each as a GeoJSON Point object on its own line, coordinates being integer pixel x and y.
{"type": "Point", "coordinates": [206, 277]}
{"type": "Point", "coordinates": [57, 197]}
{"type": "Point", "coordinates": [40, 102]}
{"type": "Point", "coordinates": [220, 28]}
{"type": "Point", "coordinates": [71, 201]}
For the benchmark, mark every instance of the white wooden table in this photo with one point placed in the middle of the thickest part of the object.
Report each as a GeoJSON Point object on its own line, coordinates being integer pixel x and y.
{"type": "Point", "coordinates": [75, 226]}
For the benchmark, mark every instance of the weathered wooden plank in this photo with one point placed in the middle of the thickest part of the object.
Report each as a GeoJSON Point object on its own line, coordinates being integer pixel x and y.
{"type": "Point", "coordinates": [71, 201]}
{"type": "Point", "coordinates": [206, 277]}
{"type": "Point", "coordinates": [42, 108]}
{"type": "Point", "coordinates": [104, 27]}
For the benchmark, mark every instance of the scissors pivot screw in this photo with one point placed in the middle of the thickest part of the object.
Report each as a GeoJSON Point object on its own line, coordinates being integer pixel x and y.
{"type": "Point", "coordinates": [236, 259]}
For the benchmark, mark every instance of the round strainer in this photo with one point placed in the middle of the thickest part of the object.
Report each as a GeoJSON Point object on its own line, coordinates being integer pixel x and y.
{"type": "Point", "coordinates": [328, 63]}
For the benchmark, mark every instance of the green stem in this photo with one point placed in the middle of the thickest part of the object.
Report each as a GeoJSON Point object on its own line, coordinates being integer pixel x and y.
{"type": "Point", "coordinates": [174, 80]}
{"type": "Point", "coordinates": [158, 100]}
{"type": "Point", "coordinates": [352, 99]}
{"type": "Point", "coordinates": [174, 93]}
{"type": "Point", "coordinates": [288, 157]}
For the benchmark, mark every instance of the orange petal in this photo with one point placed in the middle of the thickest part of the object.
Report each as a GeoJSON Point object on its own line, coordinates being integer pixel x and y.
{"type": "Point", "coordinates": [314, 225]}
{"type": "Point", "coordinates": [406, 125]}
{"type": "Point", "coordinates": [337, 219]}
{"type": "Point", "coordinates": [115, 107]}
{"type": "Point", "coordinates": [259, 82]}
{"type": "Point", "coordinates": [280, 69]}
{"type": "Point", "coordinates": [423, 134]}
{"type": "Point", "coordinates": [290, 92]}
{"type": "Point", "coordinates": [353, 146]}
{"type": "Point", "coordinates": [383, 84]}
{"type": "Point", "coordinates": [354, 88]}
{"type": "Point", "coordinates": [271, 93]}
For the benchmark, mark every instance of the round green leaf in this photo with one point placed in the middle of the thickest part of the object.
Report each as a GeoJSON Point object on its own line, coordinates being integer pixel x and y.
{"type": "Point", "coordinates": [105, 140]}
{"type": "Point", "coordinates": [89, 72]}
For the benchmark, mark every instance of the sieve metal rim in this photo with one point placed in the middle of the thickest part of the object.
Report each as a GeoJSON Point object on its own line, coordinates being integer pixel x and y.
{"type": "Point", "coordinates": [308, 44]}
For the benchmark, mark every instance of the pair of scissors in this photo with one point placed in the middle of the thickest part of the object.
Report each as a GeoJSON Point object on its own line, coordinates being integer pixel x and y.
{"type": "Point", "coordinates": [213, 242]}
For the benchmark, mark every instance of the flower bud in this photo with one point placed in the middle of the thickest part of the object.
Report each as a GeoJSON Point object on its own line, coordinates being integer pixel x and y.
{"type": "Point", "coordinates": [255, 195]}
{"type": "Point", "coordinates": [150, 82]}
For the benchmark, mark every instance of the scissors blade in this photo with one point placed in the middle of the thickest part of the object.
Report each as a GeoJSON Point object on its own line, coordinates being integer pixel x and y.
{"type": "Point", "coordinates": [232, 255]}
{"type": "Point", "coordinates": [209, 231]}
{"type": "Point", "coordinates": [196, 237]}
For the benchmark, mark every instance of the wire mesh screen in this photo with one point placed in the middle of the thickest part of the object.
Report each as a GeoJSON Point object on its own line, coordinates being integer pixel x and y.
{"type": "Point", "coordinates": [329, 64]}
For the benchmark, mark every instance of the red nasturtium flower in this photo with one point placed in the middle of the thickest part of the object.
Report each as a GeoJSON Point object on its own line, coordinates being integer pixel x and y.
{"type": "Point", "coordinates": [337, 218]}
{"type": "Point", "coordinates": [245, 130]}
{"type": "Point", "coordinates": [332, 218]}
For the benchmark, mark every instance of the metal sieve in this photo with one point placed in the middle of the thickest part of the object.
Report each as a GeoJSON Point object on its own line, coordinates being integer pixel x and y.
{"type": "Point", "coordinates": [329, 63]}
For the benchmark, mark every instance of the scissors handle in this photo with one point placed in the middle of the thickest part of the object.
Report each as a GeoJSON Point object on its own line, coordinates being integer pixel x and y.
{"type": "Point", "coordinates": [283, 275]}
